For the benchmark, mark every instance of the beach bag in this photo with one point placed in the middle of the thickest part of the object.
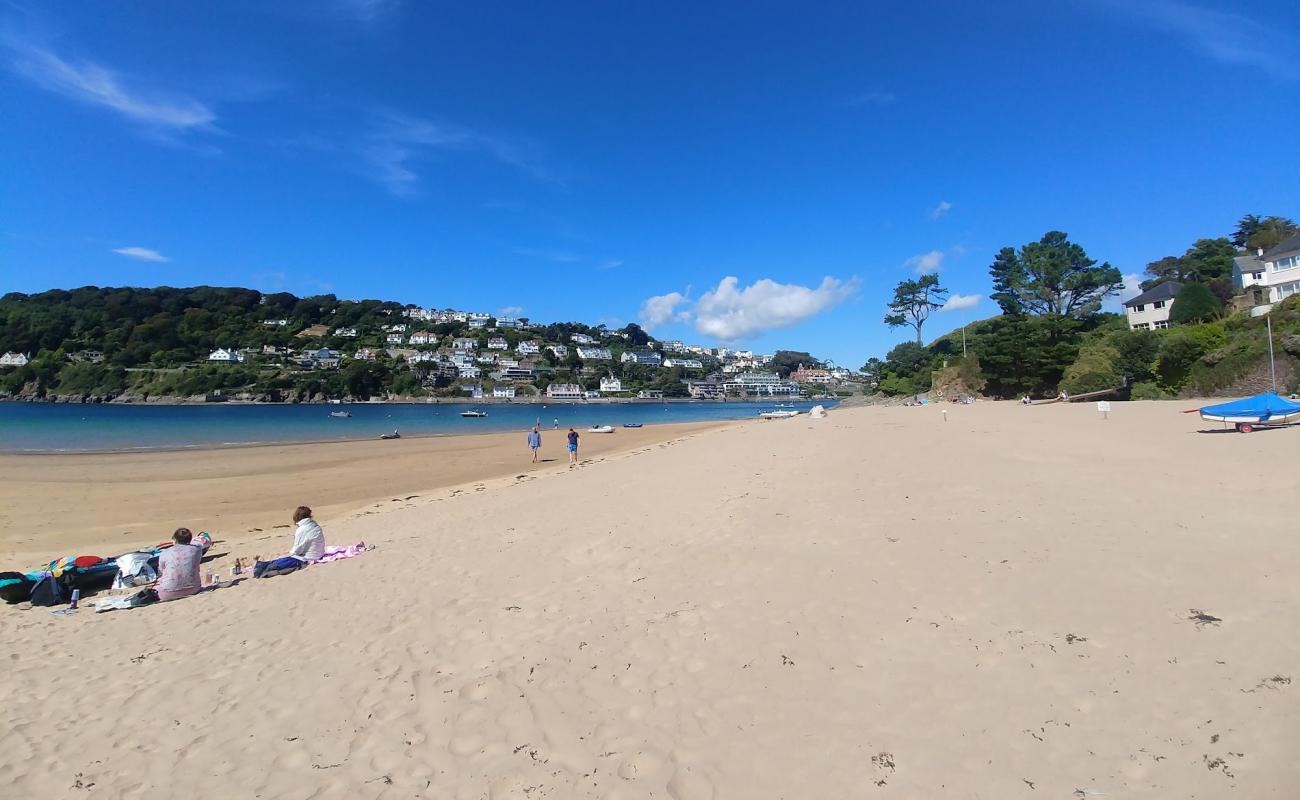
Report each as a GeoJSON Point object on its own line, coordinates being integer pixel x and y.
{"type": "Point", "coordinates": [48, 591]}
{"type": "Point", "coordinates": [134, 569]}
{"type": "Point", "coordinates": [15, 587]}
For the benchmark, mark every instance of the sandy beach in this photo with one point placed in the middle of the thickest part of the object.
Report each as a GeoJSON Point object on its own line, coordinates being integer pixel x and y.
{"type": "Point", "coordinates": [883, 603]}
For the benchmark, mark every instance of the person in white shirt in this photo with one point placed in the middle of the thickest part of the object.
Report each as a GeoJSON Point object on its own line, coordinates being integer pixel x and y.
{"type": "Point", "coordinates": [308, 546]}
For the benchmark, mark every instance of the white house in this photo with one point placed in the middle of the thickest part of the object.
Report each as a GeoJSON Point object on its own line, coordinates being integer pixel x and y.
{"type": "Point", "coordinates": [497, 343]}
{"type": "Point", "coordinates": [611, 384]}
{"type": "Point", "coordinates": [581, 338]}
{"type": "Point", "coordinates": [472, 389]}
{"type": "Point", "coordinates": [559, 350]}
{"type": "Point", "coordinates": [686, 363]}
{"type": "Point", "coordinates": [594, 353]}
{"type": "Point", "coordinates": [1150, 309]}
{"type": "Point", "coordinates": [424, 337]}
{"type": "Point", "coordinates": [469, 371]}
{"type": "Point", "coordinates": [465, 344]}
{"type": "Point", "coordinates": [516, 374]}
{"type": "Point", "coordinates": [651, 359]}
{"type": "Point", "coordinates": [346, 333]}
{"type": "Point", "coordinates": [502, 361]}
{"type": "Point", "coordinates": [394, 338]}
{"type": "Point", "coordinates": [275, 323]}
{"type": "Point", "coordinates": [14, 360]}
{"type": "Point", "coordinates": [761, 384]}
{"type": "Point", "coordinates": [223, 356]}
{"type": "Point", "coordinates": [564, 391]}
{"type": "Point", "coordinates": [650, 394]}
{"type": "Point", "coordinates": [1275, 273]}
{"type": "Point", "coordinates": [364, 354]}
{"type": "Point", "coordinates": [503, 391]}
{"type": "Point", "coordinates": [528, 349]}
{"type": "Point", "coordinates": [509, 322]}
{"type": "Point", "coordinates": [398, 328]}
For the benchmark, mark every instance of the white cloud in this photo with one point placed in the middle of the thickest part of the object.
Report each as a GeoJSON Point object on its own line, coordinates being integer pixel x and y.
{"type": "Point", "coordinates": [610, 263]}
{"type": "Point", "coordinates": [941, 210]}
{"type": "Point", "coordinates": [1132, 286]}
{"type": "Point", "coordinates": [558, 256]}
{"type": "Point", "coordinates": [925, 262]}
{"type": "Point", "coordinates": [510, 311]}
{"type": "Point", "coordinates": [90, 83]}
{"type": "Point", "coordinates": [730, 313]}
{"type": "Point", "coordinates": [662, 309]}
{"type": "Point", "coordinates": [1224, 36]}
{"type": "Point", "coordinates": [396, 140]}
{"type": "Point", "coordinates": [142, 253]}
{"type": "Point", "coordinates": [961, 302]}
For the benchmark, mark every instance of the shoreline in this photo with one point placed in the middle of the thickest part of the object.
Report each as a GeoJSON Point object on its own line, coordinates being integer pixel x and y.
{"type": "Point", "coordinates": [107, 503]}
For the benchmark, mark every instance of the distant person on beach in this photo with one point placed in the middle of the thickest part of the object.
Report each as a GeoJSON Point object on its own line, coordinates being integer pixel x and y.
{"type": "Point", "coordinates": [308, 546]}
{"type": "Point", "coordinates": [534, 442]}
{"type": "Point", "coordinates": [179, 567]}
{"type": "Point", "coordinates": [573, 447]}
{"type": "Point", "coordinates": [557, 423]}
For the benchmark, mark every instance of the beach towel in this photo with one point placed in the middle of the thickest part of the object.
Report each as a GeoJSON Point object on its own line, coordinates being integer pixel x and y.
{"type": "Point", "coordinates": [340, 553]}
{"type": "Point", "coordinates": [135, 569]}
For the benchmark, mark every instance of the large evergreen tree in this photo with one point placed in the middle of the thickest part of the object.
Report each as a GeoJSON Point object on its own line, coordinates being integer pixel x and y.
{"type": "Point", "coordinates": [1052, 276]}
{"type": "Point", "coordinates": [913, 301]}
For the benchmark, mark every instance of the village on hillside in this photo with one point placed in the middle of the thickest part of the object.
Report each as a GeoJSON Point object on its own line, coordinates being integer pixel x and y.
{"type": "Point", "coordinates": [399, 352]}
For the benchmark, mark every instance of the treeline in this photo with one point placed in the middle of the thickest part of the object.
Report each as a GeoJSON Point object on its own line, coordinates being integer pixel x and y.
{"type": "Point", "coordinates": [1052, 335]}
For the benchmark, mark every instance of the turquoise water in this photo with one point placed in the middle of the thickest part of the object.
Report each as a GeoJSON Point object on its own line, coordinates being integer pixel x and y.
{"type": "Point", "coordinates": [45, 427]}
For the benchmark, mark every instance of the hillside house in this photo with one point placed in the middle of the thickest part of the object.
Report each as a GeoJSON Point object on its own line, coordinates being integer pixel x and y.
{"type": "Point", "coordinates": [528, 349]}
{"type": "Point", "coordinates": [610, 385]}
{"type": "Point", "coordinates": [503, 392]}
{"type": "Point", "coordinates": [594, 353]}
{"type": "Point", "coordinates": [223, 356]}
{"type": "Point", "coordinates": [648, 359]}
{"type": "Point", "coordinates": [15, 360]}
{"type": "Point", "coordinates": [498, 343]}
{"type": "Point", "coordinates": [1150, 310]}
{"type": "Point", "coordinates": [685, 363]}
{"type": "Point", "coordinates": [564, 391]}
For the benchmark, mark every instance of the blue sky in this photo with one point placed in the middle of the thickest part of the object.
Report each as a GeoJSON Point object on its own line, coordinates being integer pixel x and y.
{"type": "Point", "coordinates": [762, 173]}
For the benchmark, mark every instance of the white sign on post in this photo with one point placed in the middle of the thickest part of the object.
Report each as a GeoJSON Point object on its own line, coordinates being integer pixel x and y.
{"type": "Point", "coordinates": [1104, 407]}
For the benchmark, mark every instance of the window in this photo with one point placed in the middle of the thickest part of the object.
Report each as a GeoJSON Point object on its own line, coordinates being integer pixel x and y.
{"type": "Point", "coordinates": [1285, 263]}
{"type": "Point", "coordinates": [1138, 309]}
{"type": "Point", "coordinates": [1140, 326]}
{"type": "Point", "coordinates": [1287, 289]}
{"type": "Point", "coordinates": [1158, 304]}
{"type": "Point", "coordinates": [1259, 276]}
{"type": "Point", "coordinates": [1164, 323]}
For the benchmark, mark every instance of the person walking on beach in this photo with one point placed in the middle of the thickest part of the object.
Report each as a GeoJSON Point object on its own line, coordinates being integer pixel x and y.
{"type": "Point", "coordinates": [535, 442]}
{"type": "Point", "coordinates": [573, 447]}
{"type": "Point", "coordinates": [557, 423]}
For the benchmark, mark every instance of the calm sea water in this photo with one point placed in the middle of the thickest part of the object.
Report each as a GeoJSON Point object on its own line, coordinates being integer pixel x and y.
{"type": "Point", "coordinates": [44, 427]}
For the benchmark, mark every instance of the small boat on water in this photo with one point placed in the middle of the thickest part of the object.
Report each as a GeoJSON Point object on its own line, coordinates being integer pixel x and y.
{"type": "Point", "coordinates": [393, 435]}
{"type": "Point", "coordinates": [341, 414]}
{"type": "Point", "coordinates": [474, 413]}
{"type": "Point", "coordinates": [784, 414]}
{"type": "Point", "coordinates": [631, 424]}
{"type": "Point", "coordinates": [601, 429]}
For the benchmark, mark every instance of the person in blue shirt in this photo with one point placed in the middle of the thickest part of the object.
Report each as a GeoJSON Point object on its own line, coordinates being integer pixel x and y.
{"type": "Point", "coordinates": [573, 447]}
{"type": "Point", "coordinates": [535, 442]}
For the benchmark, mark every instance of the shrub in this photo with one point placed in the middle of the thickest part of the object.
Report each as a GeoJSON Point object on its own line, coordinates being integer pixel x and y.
{"type": "Point", "coordinates": [1147, 390]}
{"type": "Point", "coordinates": [1181, 349]}
{"type": "Point", "coordinates": [1092, 371]}
{"type": "Point", "coordinates": [1194, 303]}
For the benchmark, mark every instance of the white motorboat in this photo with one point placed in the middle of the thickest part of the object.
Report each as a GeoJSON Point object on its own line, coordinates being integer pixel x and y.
{"type": "Point", "coordinates": [786, 414]}
{"type": "Point", "coordinates": [601, 429]}
{"type": "Point", "coordinates": [473, 413]}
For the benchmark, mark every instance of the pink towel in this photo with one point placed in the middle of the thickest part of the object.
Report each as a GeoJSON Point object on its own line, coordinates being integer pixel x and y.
{"type": "Point", "coordinates": [340, 553]}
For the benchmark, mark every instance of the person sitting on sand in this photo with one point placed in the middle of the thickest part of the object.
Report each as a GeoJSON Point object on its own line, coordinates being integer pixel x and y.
{"type": "Point", "coordinates": [535, 442]}
{"type": "Point", "coordinates": [308, 547]}
{"type": "Point", "coordinates": [179, 567]}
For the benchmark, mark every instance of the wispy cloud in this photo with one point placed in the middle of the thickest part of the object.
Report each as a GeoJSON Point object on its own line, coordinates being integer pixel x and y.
{"type": "Point", "coordinates": [610, 263]}
{"type": "Point", "coordinates": [141, 253]}
{"type": "Point", "coordinates": [961, 302]}
{"type": "Point", "coordinates": [1225, 36]}
{"type": "Point", "coordinates": [1132, 286]}
{"type": "Point", "coordinates": [558, 256]}
{"type": "Point", "coordinates": [397, 141]}
{"type": "Point", "coordinates": [940, 211]}
{"type": "Point", "coordinates": [662, 309]}
{"type": "Point", "coordinates": [94, 84]}
{"type": "Point", "coordinates": [870, 99]}
{"type": "Point", "coordinates": [925, 262]}
{"type": "Point", "coordinates": [510, 311]}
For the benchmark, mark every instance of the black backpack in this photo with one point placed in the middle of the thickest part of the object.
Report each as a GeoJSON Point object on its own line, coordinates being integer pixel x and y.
{"type": "Point", "coordinates": [48, 591]}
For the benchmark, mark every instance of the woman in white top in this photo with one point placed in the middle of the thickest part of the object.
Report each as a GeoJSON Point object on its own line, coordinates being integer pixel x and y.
{"type": "Point", "coordinates": [308, 546]}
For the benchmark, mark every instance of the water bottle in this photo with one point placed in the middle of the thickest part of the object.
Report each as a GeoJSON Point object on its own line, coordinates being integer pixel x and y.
{"type": "Point", "coordinates": [76, 596]}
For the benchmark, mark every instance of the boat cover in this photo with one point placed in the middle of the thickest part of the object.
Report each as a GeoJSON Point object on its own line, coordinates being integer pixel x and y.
{"type": "Point", "coordinates": [1261, 406]}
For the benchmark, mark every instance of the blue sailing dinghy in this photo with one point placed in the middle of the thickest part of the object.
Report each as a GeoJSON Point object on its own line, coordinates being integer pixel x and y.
{"type": "Point", "coordinates": [1262, 409]}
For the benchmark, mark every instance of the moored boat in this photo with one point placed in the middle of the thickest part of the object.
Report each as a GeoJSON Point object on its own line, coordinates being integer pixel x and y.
{"type": "Point", "coordinates": [475, 413]}
{"type": "Point", "coordinates": [785, 414]}
{"type": "Point", "coordinates": [341, 414]}
{"type": "Point", "coordinates": [631, 424]}
{"type": "Point", "coordinates": [601, 429]}
{"type": "Point", "coordinates": [1247, 414]}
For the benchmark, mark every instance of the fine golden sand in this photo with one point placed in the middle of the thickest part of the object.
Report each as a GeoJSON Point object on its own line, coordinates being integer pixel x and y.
{"type": "Point", "coordinates": [877, 604]}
